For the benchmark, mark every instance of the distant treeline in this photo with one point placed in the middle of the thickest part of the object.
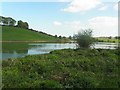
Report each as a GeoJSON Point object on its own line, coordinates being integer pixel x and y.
{"type": "Point", "coordinates": [8, 21]}
{"type": "Point", "coordinates": [110, 37]}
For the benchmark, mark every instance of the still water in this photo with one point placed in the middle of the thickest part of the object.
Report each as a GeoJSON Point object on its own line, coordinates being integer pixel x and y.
{"type": "Point", "coordinates": [15, 50]}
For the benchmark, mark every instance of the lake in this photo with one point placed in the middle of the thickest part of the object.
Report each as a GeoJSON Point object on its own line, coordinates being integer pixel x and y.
{"type": "Point", "coordinates": [16, 50]}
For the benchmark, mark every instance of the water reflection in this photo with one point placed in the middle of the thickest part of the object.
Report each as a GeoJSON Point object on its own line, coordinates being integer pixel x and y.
{"type": "Point", "coordinates": [15, 50]}
{"type": "Point", "coordinates": [105, 45]}
{"type": "Point", "coordinates": [42, 48]}
{"type": "Point", "coordinates": [12, 55]}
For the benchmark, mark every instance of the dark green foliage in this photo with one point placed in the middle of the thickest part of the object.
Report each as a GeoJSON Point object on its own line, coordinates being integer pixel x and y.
{"type": "Point", "coordinates": [82, 80]}
{"type": "Point", "coordinates": [19, 24]}
{"type": "Point", "coordinates": [78, 68]}
{"type": "Point", "coordinates": [11, 21]}
{"type": "Point", "coordinates": [60, 37]}
{"type": "Point", "coordinates": [55, 36]}
{"type": "Point", "coordinates": [7, 21]}
{"type": "Point", "coordinates": [84, 39]}
{"type": "Point", "coordinates": [22, 24]}
{"type": "Point", "coordinates": [70, 37]}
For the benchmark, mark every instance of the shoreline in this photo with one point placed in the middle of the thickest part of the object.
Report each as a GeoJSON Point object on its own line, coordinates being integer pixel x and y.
{"type": "Point", "coordinates": [39, 41]}
{"type": "Point", "coordinates": [22, 41]}
{"type": "Point", "coordinates": [48, 42]}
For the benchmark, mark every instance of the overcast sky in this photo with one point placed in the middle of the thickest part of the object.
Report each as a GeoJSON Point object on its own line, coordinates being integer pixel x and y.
{"type": "Point", "coordinates": [65, 17]}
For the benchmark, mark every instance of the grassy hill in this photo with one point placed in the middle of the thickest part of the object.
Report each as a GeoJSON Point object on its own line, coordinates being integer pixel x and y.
{"type": "Point", "coordinates": [19, 34]}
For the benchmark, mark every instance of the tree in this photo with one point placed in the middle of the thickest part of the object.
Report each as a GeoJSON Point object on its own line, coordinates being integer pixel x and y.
{"type": "Point", "coordinates": [64, 37]}
{"type": "Point", "coordinates": [110, 37]}
{"type": "Point", "coordinates": [1, 20]}
{"type": "Point", "coordinates": [60, 37]}
{"type": "Point", "coordinates": [84, 38]}
{"type": "Point", "coordinates": [11, 21]}
{"type": "Point", "coordinates": [22, 24]}
{"type": "Point", "coordinates": [70, 37]}
{"type": "Point", "coordinates": [26, 25]}
{"type": "Point", "coordinates": [55, 36]}
{"type": "Point", "coordinates": [7, 21]}
{"type": "Point", "coordinates": [4, 21]}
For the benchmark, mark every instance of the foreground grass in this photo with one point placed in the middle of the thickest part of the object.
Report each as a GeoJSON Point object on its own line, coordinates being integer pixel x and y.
{"type": "Point", "coordinates": [64, 69]}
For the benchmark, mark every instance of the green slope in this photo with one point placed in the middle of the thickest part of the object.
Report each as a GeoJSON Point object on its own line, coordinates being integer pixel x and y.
{"type": "Point", "coordinates": [19, 34]}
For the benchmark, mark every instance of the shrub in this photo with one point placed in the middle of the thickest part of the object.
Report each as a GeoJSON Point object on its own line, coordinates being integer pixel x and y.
{"type": "Point", "coordinates": [83, 80]}
{"type": "Point", "coordinates": [84, 39]}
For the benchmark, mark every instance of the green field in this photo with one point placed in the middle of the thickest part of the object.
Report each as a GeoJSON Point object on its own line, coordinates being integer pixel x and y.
{"type": "Point", "coordinates": [19, 34]}
{"type": "Point", "coordinates": [68, 68]}
{"type": "Point", "coordinates": [112, 40]}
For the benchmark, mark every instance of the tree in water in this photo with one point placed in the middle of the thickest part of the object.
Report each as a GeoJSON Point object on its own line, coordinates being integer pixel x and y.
{"type": "Point", "coordinates": [84, 38]}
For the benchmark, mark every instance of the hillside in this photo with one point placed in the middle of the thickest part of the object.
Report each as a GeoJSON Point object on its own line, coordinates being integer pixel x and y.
{"type": "Point", "coordinates": [10, 33]}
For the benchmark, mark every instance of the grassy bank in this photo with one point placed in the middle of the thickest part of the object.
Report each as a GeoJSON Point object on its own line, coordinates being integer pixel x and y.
{"type": "Point", "coordinates": [10, 33]}
{"type": "Point", "coordinates": [66, 68]}
{"type": "Point", "coordinates": [112, 40]}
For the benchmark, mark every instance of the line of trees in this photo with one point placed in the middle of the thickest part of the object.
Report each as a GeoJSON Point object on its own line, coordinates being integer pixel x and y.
{"type": "Point", "coordinates": [117, 37]}
{"type": "Point", "coordinates": [8, 21]}
{"type": "Point", "coordinates": [110, 37]}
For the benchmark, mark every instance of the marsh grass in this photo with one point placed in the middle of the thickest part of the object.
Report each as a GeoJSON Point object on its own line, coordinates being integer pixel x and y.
{"type": "Point", "coordinates": [68, 68]}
